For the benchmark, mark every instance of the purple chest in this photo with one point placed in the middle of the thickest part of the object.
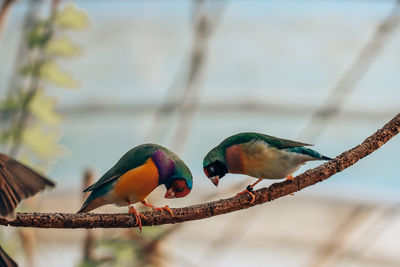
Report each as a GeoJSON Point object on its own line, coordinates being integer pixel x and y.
{"type": "Point", "coordinates": [164, 165]}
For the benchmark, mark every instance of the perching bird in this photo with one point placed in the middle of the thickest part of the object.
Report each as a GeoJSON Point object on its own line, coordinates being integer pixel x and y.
{"type": "Point", "coordinates": [257, 155]}
{"type": "Point", "coordinates": [136, 175]}
{"type": "Point", "coordinates": [17, 182]}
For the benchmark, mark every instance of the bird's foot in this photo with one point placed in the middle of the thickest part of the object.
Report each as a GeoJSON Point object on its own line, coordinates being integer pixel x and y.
{"type": "Point", "coordinates": [248, 190]}
{"type": "Point", "coordinates": [290, 177]}
{"type": "Point", "coordinates": [137, 215]}
{"type": "Point", "coordinates": [166, 208]}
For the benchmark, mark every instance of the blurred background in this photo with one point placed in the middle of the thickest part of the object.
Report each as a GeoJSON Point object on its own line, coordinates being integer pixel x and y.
{"type": "Point", "coordinates": [83, 82]}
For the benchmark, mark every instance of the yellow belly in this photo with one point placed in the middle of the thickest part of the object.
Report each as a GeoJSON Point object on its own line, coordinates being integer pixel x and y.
{"type": "Point", "coordinates": [136, 184]}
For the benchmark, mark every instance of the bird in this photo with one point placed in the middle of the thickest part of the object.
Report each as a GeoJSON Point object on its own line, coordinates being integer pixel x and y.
{"type": "Point", "coordinates": [138, 172]}
{"type": "Point", "coordinates": [17, 181]}
{"type": "Point", "coordinates": [257, 155]}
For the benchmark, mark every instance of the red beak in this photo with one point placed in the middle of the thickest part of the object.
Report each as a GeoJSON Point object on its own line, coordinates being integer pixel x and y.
{"type": "Point", "coordinates": [170, 193]}
{"type": "Point", "coordinates": [215, 180]}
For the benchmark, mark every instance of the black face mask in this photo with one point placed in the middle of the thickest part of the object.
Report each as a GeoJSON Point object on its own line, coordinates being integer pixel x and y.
{"type": "Point", "coordinates": [216, 168]}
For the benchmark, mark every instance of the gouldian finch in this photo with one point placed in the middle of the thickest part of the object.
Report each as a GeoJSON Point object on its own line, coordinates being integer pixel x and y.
{"type": "Point", "coordinates": [17, 182]}
{"type": "Point", "coordinates": [136, 175]}
{"type": "Point", "coordinates": [257, 155]}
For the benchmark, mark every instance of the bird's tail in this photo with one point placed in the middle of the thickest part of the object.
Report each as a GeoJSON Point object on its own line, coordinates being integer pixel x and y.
{"type": "Point", "coordinates": [92, 202]}
{"type": "Point", "coordinates": [325, 158]}
{"type": "Point", "coordinates": [309, 152]}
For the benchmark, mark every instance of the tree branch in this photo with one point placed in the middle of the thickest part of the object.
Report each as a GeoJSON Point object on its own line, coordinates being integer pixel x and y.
{"type": "Point", "coordinates": [214, 208]}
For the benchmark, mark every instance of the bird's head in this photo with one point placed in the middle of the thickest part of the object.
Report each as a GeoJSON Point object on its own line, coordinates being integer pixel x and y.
{"type": "Point", "coordinates": [214, 165]}
{"type": "Point", "coordinates": [178, 188]}
{"type": "Point", "coordinates": [180, 183]}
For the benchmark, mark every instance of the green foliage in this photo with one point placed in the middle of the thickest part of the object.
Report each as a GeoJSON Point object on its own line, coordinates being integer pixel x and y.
{"type": "Point", "coordinates": [39, 140]}
{"type": "Point", "coordinates": [28, 70]}
{"type": "Point", "coordinates": [30, 121]}
{"type": "Point", "coordinates": [33, 121]}
{"type": "Point", "coordinates": [52, 73]}
{"type": "Point", "coordinates": [11, 104]}
{"type": "Point", "coordinates": [72, 17]}
{"type": "Point", "coordinates": [39, 36]}
{"type": "Point", "coordinates": [62, 47]}
{"type": "Point", "coordinates": [43, 108]}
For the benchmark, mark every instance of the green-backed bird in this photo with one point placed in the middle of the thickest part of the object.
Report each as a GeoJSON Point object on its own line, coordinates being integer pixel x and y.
{"type": "Point", "coordinates": [257, 155]}
{"type": "Point", "coordinates": [136, 175]}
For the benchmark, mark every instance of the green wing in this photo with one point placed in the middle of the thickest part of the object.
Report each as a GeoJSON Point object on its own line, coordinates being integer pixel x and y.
{"type": "Point", "coordinates": [132, 159]}
{"type": "Point", "coordinates": [271, 140]}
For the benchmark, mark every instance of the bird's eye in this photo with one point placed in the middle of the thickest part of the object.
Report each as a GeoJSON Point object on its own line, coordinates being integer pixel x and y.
{"type": "Point", "coordinates": [179, 189]}
{"type": "Point", "coordinates": [211, 170]}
